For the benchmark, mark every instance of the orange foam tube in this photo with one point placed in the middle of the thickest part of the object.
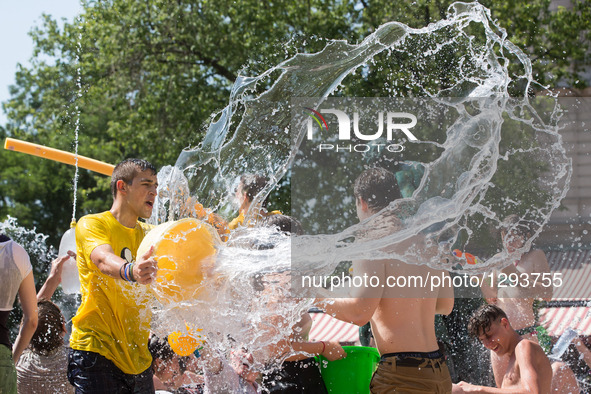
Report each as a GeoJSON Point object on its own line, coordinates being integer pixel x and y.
{"type": "Point", "coordinates": [58, 155]}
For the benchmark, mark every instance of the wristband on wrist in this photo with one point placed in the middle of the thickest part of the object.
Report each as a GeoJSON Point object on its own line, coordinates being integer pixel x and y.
{"type": "Point", "coordinates": [131, 278]}
{"type": "Point", "coordinates": [323, 346]}
{"type": "Point", "coordinates": [196, 352]}
{"type": "Point", "coordinates": [125, 272]}
{"type": "Point", "coordinates": [121, 269]}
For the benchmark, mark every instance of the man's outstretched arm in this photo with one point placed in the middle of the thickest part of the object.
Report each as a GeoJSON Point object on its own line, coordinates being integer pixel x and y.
{"type": "Point", "coordinates": [360, 307]}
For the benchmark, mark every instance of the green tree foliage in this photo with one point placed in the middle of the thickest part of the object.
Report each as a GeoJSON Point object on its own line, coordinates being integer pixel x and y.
{"type": "Point", "coordinates": [146, 75]}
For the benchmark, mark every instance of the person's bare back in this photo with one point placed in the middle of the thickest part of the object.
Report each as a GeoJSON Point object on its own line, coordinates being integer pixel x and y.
{"type": "Point", "coordinates": [399, 299]}
{"type": "Point", "coordinates": [517, 299]}
{"type": "Point", "coordinates": [403, 319]}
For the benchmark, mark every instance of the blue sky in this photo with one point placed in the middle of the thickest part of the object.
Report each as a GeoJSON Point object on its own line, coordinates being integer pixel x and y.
{"type": "Point", "coordinates": [17, 18]}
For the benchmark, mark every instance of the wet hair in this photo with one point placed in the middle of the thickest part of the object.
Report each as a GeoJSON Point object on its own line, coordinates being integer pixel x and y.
{"type": "Point", "coordinates": [47, 336]}
{"type": "Point", "coordinates": [160, 349]}
{"type": "Point", "coordinates": [377, 187]}
{"type": "Point", "coordinates": [252, 184]}
{"type": "Point", "coordinates": [517, 226]}
{"type": "Point", "coordinates": [127, 170]}
{"type": "Point", "coordinates": [284, 223]}
{"type": "Point", "coordinates": [483, 318]}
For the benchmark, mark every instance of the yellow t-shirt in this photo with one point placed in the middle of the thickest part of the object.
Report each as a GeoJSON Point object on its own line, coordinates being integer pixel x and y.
{"type": "Point", "coordinates": [114, 317]}
{"type": "Point", "coordinates": [239, 220]}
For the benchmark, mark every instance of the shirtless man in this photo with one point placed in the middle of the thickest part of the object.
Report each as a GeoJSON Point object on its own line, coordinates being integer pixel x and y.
{"type": "Point", "coordinates": [517, 298]}
{"type": "Point", "coordinates": [402, 320]}
{"type": "Point", "coordinates": [528, 369]}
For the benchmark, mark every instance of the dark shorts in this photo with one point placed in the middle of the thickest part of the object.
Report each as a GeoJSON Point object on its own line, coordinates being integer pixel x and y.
{"type": "Point", "coordinates": [411, 373]}
{"type": "Point", "coordinates": [91, 373]}
{"type": "Point", "coordinates": [295, 377]}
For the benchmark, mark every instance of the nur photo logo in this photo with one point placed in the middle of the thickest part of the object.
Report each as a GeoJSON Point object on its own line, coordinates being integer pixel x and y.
{"type": "Point", "coordinates": [388, 123]}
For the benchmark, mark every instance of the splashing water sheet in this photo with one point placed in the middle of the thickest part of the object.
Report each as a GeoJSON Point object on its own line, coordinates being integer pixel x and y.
{"type": "Point", "coordinates": [465, 155]}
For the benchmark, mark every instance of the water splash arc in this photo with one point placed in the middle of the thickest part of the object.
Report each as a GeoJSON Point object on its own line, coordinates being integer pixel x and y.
{"type": "Point", "coordinates": [457, 199]}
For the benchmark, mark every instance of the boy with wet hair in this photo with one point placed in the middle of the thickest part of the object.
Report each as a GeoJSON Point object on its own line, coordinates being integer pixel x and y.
{"type": "Point", "coordinates": [299, 373]}
{"type": "Point", "coordinates": [517, 298]}
{"type": "Point", "coordinates": [235, 376]}
{"type": "Point", "coordinates": [127, 170]}
{"type": "Point", "coordinates": [528, 369]}
{"type": "Point", "coordinates": [110, 331]}
{"type": "Point", "coordinates": [517, 226]}
{"type": "Point", "coordinates": [50, 329]}
{"type": "Point", "coordinates": [483, 318]}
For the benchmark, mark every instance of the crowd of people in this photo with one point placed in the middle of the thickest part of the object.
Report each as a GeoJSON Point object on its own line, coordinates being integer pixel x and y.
{"type": "Point", "coordinates": [112, 349]}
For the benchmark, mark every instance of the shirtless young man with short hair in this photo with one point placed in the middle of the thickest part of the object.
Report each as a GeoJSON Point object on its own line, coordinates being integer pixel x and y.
{"type": "Point", "coordinates": [402, 320]}
{"type": "Point", "coordinates": [517, 300]}
{"type": "Point", "coordinates": [528, 369]}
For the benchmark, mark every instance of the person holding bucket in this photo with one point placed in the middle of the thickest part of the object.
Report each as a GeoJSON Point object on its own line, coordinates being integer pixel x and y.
{"type": "Point", "coordinates": [402, 319]}
{"type": "Point", "coordinates": [110, 331]}
{"type": "Point", "coordinates": [299, 373]}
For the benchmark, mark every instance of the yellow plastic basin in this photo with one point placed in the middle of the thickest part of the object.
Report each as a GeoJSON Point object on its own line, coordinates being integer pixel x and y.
{"type": "Point", "coordinates": [184, 250]}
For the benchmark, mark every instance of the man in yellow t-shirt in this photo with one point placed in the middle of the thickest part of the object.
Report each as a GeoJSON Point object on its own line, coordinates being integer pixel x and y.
{"type": "Point", "coordinates": [110, 331]}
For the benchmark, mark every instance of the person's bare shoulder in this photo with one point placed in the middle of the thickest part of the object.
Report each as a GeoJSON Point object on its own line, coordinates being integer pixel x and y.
{"type": "Point", "coordinates": [527, 344]}
{"type": "Point", "coordinates": [538, 258]}
{"type": "Point", "coordinates": [534, 366]}
{"type": "Point", "coordinates": [532, 353]}
{"type": "Point", "coordinates": [534, 261]}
